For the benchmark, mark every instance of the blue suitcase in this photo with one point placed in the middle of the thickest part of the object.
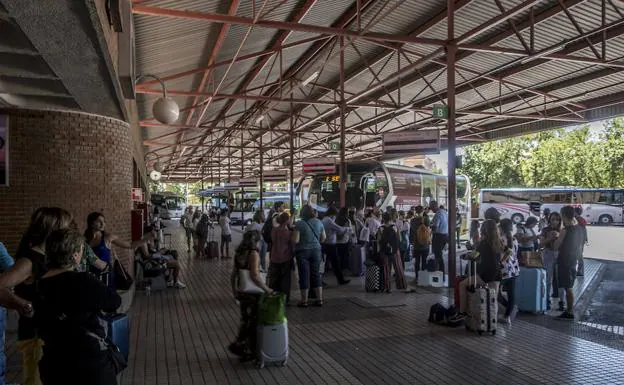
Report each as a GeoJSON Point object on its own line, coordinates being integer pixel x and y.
{"type": "Point", "coordinates": [118, 331]}
{"type": "Point", "coordinates": [531, 287]}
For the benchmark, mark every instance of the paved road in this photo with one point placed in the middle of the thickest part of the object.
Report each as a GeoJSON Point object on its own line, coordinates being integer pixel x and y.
{"type": "Point", "coordinates": [605, 242]}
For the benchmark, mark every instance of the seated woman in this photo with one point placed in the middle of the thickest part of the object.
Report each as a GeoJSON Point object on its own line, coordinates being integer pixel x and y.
{"type": "Point", "coordinates": [67, 307]}
{"type": "Point", "coordinates": [151, 255]}
{"type": "Point", "coordinates": [489, 265]}
{"type": "Point", "coordinates": [102, 242]}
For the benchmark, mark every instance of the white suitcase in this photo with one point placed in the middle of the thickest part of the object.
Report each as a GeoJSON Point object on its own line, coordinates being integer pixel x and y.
{"type": "Point", "coordinates": [482, 306]}
{"type": "Point", "coordinates": [273, 344]}
{"type": "Point", "coordinates": [483, 309]}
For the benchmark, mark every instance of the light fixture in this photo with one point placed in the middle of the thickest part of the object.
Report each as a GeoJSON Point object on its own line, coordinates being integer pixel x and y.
{"type": "Point", "coordinates": [310, 78]}
{"type": "Point", "coordinates": [165, 109]}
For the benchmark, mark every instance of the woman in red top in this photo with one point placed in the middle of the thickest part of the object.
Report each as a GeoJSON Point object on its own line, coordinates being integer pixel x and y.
{"type": "Point", "coordinates": [282, 247]}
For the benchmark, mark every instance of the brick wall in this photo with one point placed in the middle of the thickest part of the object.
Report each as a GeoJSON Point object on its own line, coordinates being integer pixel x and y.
{"type": "Point", "coordinates": [77, 161]}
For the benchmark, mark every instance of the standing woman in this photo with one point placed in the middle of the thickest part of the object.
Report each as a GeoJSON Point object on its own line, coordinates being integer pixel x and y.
{"type": "Point", "coordinates": [101, 242]}
{"type": "Point", "coordinates": [68, 306]}
{"type": "Point", "coordinates": [309, 234]}
{"type": "Point", "coordinates": [256, 225]}
{"type": "Point", "coordinates": [330, 248]}
{"type": "Point", "coordinates": [246, 258]}
{"type": "Point", "coordinates": [549, 235]}
{"type": "Point", "coordinates": [343, 240]}
{"type": "Point", "coordinates": [30, 265]}
{"type": "Point", "coordinates": [281, 265]}
{"type": "Point", "coordinates": [511, 268]}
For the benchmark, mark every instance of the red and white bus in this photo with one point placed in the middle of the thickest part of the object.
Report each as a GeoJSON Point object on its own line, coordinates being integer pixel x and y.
{"type": "Point", "coordinates": [375, 184]}
{"type": "Point", "coordinates": [601, 205]}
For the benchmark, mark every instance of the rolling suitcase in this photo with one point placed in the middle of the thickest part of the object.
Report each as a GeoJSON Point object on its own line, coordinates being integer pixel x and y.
{"type": "Point", "coordinates": [273, 344]}
{"type": "Point", "coordinates": [212, 246]}
{"type": "Point", "coordinates": [482, 306]}
{"type": "Point", "coordinates": [531, 287]}
{"type": "Point", "coordinates": [118, 331]}
{"type": "Point", "coordinates": [357, 256]}
{"type": "Point", "coordinates": [373, 279]}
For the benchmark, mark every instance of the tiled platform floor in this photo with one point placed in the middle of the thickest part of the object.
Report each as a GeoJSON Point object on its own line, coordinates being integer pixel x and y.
{"type": "Point", "coordinates": [180, 337]}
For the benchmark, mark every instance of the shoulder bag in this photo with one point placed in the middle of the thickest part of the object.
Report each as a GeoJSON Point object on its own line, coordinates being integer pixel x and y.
{"type": "Point", "coordinates": [246, 284]}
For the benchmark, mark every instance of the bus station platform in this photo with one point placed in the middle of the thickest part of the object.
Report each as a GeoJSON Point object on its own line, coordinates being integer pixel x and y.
{"type": "Point", "coordinates": [181, 337]}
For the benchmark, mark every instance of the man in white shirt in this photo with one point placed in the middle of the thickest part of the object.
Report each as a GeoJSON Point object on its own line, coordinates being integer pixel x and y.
{"type": "Point", "coordinates": [439, 227]}
{"type": "Point", "coordinates": [226, 233]}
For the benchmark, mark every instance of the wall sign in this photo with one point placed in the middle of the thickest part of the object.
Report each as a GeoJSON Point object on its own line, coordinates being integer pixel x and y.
{"type": "Point", "coordinates": [4, 150]}
{"type": "Point", "coordinates": [137, 194]}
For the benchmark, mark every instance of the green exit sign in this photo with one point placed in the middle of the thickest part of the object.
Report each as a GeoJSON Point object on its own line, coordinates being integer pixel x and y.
{"type": "Point", "coordinates": [440, 112]}
{"type": "Point", "coordinates": [334, 146]}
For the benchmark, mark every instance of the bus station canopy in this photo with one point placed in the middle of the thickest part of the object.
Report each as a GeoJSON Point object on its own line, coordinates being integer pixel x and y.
{"type": "Point", "coordinates": [249, 75]}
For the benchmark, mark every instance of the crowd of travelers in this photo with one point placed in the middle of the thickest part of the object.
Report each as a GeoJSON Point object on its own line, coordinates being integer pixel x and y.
{"type": "Point", "coordinates": [62, 282]}
{"type": "Point", "coordinates": [55, 280]}
{"type": "Point", "coordinates": [560, 236]}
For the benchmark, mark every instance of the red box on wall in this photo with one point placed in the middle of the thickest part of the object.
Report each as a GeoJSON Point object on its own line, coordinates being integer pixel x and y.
{"type": "Point", "coordinates": [137, 224]}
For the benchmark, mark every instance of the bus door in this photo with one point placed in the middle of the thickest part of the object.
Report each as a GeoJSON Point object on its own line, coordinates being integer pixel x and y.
{"type": "Point", "coordinates": [368, 186]}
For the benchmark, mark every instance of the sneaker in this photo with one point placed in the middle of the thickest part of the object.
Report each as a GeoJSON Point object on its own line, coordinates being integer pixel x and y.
{"type": "Point", "coordinates": [566, 315]}
{"type": "Point", "coordinates": [514, 313]}
{"type": "Point", "coordinates": [180, 285]}
{"type": "Point", "coordinates": [237, 349]}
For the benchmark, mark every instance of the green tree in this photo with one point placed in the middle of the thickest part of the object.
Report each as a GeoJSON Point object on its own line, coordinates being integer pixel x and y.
{"type": "Point", "coordinates": [496, 164]}
{"type": "Point", "coordinates": [581, 157]}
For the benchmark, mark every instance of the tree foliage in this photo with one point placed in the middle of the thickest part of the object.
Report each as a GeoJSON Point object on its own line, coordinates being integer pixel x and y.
{"type": "Point", "coordinates": [582, 157]}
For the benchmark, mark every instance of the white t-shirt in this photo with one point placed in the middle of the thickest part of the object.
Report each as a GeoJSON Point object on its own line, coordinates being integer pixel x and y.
{"type": "Point", "coordinates": [224, 222]}
{"type": "Point", "coordinates": [402, 226]}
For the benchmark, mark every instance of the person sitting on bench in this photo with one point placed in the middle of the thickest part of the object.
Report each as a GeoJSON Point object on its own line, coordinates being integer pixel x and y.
{"type": "Point", "coordinates": [161, 257]}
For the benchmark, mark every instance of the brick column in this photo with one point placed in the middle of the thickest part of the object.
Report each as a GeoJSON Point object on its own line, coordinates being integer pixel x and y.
{"type": "Point", "coordinates": [77, 161]}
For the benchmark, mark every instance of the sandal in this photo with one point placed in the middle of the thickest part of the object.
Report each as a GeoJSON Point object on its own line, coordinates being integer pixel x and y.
{"type": "Point", "coordinates": [302, 304]}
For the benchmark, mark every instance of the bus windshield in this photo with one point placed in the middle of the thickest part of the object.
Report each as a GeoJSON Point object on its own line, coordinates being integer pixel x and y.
{"type": "Point", "coordinates": [174, 203]}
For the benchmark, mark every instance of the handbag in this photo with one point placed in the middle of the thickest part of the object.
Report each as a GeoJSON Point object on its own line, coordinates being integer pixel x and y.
{"type": "Point", "coordinates": [115, 356]}
{"type": "Point", "coordinates": [246, 284]}
{"type": "Point", "coordinates": [123, 280]}
{"type": "Point", "coordinates": [531, 259]}
{"type": "Point", "coordinates": [272, 309]}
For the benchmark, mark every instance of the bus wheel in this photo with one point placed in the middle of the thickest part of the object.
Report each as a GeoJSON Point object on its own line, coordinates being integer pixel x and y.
{"type": "Point", "coordinates": [517, 218]}
{"type": "Point", "coordinates": [605, 219]}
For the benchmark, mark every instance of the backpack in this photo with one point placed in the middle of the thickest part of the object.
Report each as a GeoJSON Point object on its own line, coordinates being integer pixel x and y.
{"type": "Point", "coordinates": [202, 228]}
{"type": "Point", "coordinates": [422, 235]}
{"type": "Point", "coordinates": [267, 228]}
{"type": "Point", "coordinates": [389, 241]}
{"type": "Point", "coordinates": [442, 315]}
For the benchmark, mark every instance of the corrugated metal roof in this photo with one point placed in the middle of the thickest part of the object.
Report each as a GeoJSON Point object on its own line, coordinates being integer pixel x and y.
{"type": "Point", "coordinates": [166, 46]}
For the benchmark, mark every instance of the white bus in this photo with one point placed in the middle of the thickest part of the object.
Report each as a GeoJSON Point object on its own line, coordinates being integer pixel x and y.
{"type": "Point", "coordinates": [375, 184]}
{"type": "Point", "coordinates": [170, 205]}
{"type": "Point", "coordinates": [601, 206]}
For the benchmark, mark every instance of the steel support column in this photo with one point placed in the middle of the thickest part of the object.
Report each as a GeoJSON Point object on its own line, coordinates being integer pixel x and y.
{"type": "Point", "coordinates": [261, 154]}
{"type": "Point", "coordinates": [292, 160]}
{"type": "Point", "coordinates": [451, 49]}
{"type": "Point", "coordinates": [343, 164]}
{"type": "Point", "coordinates": [203, 169]}
{"type": "Point", "coordinates": [242, 165]}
